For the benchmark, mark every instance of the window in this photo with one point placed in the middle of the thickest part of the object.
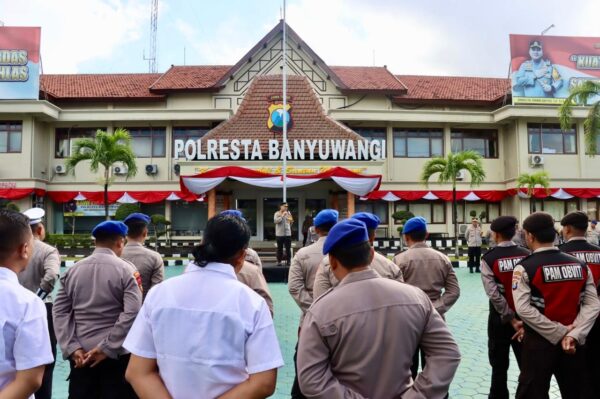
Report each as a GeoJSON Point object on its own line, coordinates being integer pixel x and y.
{"type": "Point", "coordinates": [484, 211]}
{"type": "Point", "coordinates": [377, 133]}
{"type": "Point", "coordinates": [188, 218]}
{"type": "Point", "coordinates": [557, 208]}
{"type": "Point", "coordinates": [10, 136]}
{"type": "Point", "coordinates": [379, 208]}
{"type": "Point", "coordinates": [550, 139]}
{"type": "Point", "coordinates": [65, 139]}
{"type": "Point", "coordinates": [148, 142]}
{"type": "Point", "coordinates": [484, 142]}
{"type": "Point", "coordinates": [418, 143]}
{"type": "Point", "coordinates": [187, 133]}
{"type": "Point", "coordinates": [433, 211]}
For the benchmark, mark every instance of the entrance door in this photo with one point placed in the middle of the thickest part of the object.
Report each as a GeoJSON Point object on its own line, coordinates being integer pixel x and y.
{"type": "Point", "coordinates": [270, 206]}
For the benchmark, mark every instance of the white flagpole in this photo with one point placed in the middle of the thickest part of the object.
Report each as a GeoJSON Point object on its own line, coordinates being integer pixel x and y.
{"type": "Point", "coordinates": [284, 79]}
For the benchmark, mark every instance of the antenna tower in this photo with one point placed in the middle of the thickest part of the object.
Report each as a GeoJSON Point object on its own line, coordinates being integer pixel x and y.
{"type": "Point", "coordinates": [153, 27]}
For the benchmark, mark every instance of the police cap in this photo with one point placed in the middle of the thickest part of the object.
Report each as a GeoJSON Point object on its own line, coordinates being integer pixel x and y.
{"type": "Point", "coordinates": [414, 224]}
{"type": "Point", "coordinates": [538, 221]}
{"type": "Point", "coordinates": [370, 220]}
{"type": "Point", "coordinates": [535, 43]}
{"type": "Point", "coordinates": [110, 228]}
{"type": "Point", "coordinates": [503, 223]}
{"type": "Point", "coordinates": [137, 217]}
{"type": "Point", "coordinates": [35, 215]}
{"type": "Point", "coordinates": [326, 216]}
{"type": "Point", "coordinates": [577, 219]}
{"type": "Point", "coordinates": [346, 233]}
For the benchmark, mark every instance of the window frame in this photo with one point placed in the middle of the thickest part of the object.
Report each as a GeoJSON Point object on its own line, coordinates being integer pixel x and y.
{"type": "Point", "coordinates": [358, 203]}
{"type": "Point", "coordinates": [186, 137]}
{"type": "Point", "coordinates": [540, 202]}
{"type": "Point", "coordinates": [371, 130]}
{"type": "Point", "coordinates": [431, 203]}
{"type": "Point", "coordinates": [11, 128]}
{"type": "Point", "coordinates": [539, 127]}
{"type": "Point", "coordinates": [71, 134]}
{"type": "Point", "coordinates": [153, 133]}
{"type": "Point", "coordinates": [476, 133]}
{"type": "Point", "coordinates": [408, 131]}
{"type": "Point", "coordinates": [467, 218]}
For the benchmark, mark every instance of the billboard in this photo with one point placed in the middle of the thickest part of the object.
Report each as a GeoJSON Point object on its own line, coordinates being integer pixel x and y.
{"type": "Point", "coordinates": [19, 63]}
{"type": "Point", "coordinates": [86, 208]}
{"type": "Point", "coordinates": [545, 68]}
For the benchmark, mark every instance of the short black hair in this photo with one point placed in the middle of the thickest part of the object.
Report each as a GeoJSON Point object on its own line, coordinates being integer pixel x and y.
{"type": "Point", "coordinates": [325, 227]}
{"type": "Point", "coordinates": [14, 231]}
{"type": "Point", "coordinates": [135, 228]}
{"type": "Point", "coordinates": [541, 226]}
{"type": "Point", "coordinates": [417, 235]}
{"type": "Point", "coordinates": [283, 203]}
{"type": "Point", "coordinates": [353, 256]}
{"type": "Point", "coordinates": [224, 236]}
{"type": "Point", "coordinates": [507, 234]}
{"type": "Point", "coordinates": [107, 238]}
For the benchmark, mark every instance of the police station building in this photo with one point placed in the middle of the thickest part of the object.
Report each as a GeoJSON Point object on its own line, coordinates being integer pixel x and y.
{"type": "Point", "coordinates": [209, 138]}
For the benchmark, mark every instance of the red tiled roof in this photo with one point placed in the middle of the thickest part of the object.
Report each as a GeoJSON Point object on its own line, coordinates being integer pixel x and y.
{"type": "Point", "coordinates": [250, 120]}
{"type": "Point", "coordinates": [369, 79]}
{"type": "Point", "coordinates": [100, 86]}
{"type": "Point", "coordinates": [185, 78]}
{"type": "Point", "coordinates": [453, 88]}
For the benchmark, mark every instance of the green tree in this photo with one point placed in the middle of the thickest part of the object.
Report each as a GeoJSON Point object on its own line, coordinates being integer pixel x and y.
{"type": "Point", "coordinates": [125, 210]}
{"type": "Point", "coordinates": [580, 96]}
{"type": "Point", "coordinates": [447, 170]}
{"type": "Point", "coordinates": [530, 182]}
{"type": "Point", "coordinates": [104, 150]}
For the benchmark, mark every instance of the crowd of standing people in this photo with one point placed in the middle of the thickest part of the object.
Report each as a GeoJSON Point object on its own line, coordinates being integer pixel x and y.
{"type": "Point", "coordinates": [370, 327]}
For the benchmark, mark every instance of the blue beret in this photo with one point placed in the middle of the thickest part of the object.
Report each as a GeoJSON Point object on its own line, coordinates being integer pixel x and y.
{"type": "Point", "coordinates": [414, 224]}
{"type": "Point", "coordinates": [110, 227]}
{"type": "Point", "coordinates": [326, 216]}
{"type": "Point", "coordinates": [345, 233]}
{"type": "Point", "coordinates": [234, 213]}
{"type": "Point", "coordinates": [370, 220]}
{"type": "Point", "coordinates": [137, 217]}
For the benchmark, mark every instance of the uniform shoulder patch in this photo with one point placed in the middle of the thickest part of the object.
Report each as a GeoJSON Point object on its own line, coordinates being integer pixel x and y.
{"type": "Point", "coordinates": [138, 279]}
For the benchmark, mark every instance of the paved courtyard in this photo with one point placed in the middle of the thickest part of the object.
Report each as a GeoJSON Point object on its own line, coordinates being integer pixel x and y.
{"type": "Point", "coordinates": [467, 319]}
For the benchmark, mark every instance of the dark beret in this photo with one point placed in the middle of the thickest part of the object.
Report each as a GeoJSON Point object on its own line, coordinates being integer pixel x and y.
{"type": "Point", "coordinates": [574, 219]}
{"type": "Point", "coordinates": [110, 228]}
{"type": "Point", "coordinates": [538, 221]}
{"type": "Point", "coordinates": [503, 223]}
{"type": "Point", "coordinates": [137, 217]}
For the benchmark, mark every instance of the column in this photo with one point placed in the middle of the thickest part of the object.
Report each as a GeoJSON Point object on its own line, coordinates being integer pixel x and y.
{"type": "Point", "coordinates": [350, 199]}
{"type": "Point", "coordinates": [212, 203]}
{"type": "Point", "coordinates": [333, 199]}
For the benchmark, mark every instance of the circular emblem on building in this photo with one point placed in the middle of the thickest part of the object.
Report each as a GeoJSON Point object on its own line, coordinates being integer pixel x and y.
{"type": "Point", "coordinates": [277, 115]}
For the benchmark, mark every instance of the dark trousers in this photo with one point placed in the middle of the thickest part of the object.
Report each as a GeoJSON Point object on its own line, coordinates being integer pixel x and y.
{"type": "Point", "coordinates": [304, 238]}
{"type": "Point", "coordinates": [296, 393]}
{"type": "Point", "coordinates": [499, 344]}
{"type": "Point", "coordinates": [45, 391]}
{"type": "Point", "coordinates": [104, 381]}
{"type": "Point", "coordinates": [474, 258]}
{"type": "Point", "coordinates": [281, 241]}
{"type": "Point", "coordinates": [540, 360]}
{"type": "Point", "coordinates": [592, 360]}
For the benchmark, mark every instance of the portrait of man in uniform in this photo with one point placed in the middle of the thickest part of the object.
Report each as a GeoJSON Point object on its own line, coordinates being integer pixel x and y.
{"type": "Point", "coordinates": [537, 77]}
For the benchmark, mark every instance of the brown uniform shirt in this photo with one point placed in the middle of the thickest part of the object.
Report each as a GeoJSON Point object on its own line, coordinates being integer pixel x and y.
{"type": "Point", "coordinates": [355, 344]}
{"type": "Point", "coordinates": [431, 271]}
{"type": "Point", "coordinates": [98, 300]}
{"type": "Point", "coordinates": [43, 269]}
{"type": "Point", "coordinates": [148, 262]}
{"type": "Point", "coordinates": [251, 275]}
{"type": "Point", "coordinates": [303, 269]}
{"type": "Point", "coordinates": [325, 279]}
{"type": "Point", "coordinates": [252, 257]}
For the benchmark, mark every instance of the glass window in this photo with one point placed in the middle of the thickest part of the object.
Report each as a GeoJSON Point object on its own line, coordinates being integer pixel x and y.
{"type": "Point", "coordinates": [187, 133]}
{"type": "Point", "coordinates": [379, 208]}
{"type": "Point", "coordinates": [557, 208]}
{"type": "Point", "coordinates": [372, 133]}
{"type": "Point", "coordinates": [484, 211]}
{"type": "Point", "coordinates": [484, 142]}
{"type": "Point", "coordinates": [10, 136]}
{"type": "Point", "coordinates": [148, 142]}
{"type": "Point", "coordinates": [65, 139]}
{"type": "Point", "coordinates": [418, 143]}
{"type": "Point", "coordinates": [551, 139]}
{"type": "Point", "coordinates": [188, 218]}
{"type": "Point", "coordinates": [432, 211]}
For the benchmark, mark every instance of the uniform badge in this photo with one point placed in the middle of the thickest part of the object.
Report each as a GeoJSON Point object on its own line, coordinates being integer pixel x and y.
{"type": "Point", "coordinates": [138, 279]}
{"type": "Point", "coordinates": [515, 279]}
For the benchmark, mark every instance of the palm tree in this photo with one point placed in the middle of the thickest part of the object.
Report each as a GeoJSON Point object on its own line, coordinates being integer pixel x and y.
{"type": "Point", "coordinates": [580, 95]}
{"type": "Point", "coordinates": [105, 149]}
{"type": "Point", "coordinates": [530, 181]}
{"type": "Point", "coordinates": [448, 169]}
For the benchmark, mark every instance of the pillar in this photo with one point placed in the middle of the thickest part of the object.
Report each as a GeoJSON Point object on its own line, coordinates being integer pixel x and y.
{"type": "Point", "coordinates": [350, 199]}
{"type": "Point", "coordinates": [226, 201]}
{"type": "Point", "coordinates": [334, 200]}
{"type": "Point", "coordinates": [212, 203]}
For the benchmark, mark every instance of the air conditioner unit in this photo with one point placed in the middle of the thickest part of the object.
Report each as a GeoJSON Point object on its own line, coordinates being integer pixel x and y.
{"type": "Point", "coordinates": [462, 229]}
{"type": "Point", "coordinates": [120, 170]}
{"type": "Point", "coordinates": [177, 169]}
{"type": "Point", "coordinates": [536, 160]}
{"type": "Point", "coordinates": [460, 175]}
{"type": "Point", "coordinates": [152, 169]}
{"type": "Point", "coordinates": [60, 169]}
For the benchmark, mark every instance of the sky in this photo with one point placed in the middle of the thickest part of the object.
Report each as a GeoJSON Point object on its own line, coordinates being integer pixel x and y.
{"type": "Point", "coordinates": [427, 37]}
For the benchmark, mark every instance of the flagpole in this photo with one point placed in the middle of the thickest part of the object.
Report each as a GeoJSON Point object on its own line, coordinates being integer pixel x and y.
{"type": "Point", "coordinates": [284, 141]}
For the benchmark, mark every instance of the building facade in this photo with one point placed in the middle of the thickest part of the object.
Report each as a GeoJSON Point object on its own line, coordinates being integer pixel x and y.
{"type": "Point", "coordinates": [412, 118]}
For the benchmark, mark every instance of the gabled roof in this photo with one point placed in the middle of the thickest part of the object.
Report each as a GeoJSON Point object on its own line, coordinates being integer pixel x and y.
{"type": "Point", "coordinates": [250, 120]}
{"type": "Point", "coordinates": [190, 78]}
{"type": "Point", "coordinates": [444, 89]}
{"type": "Point", "coordinates": [369, 79]}
{"type": "Point", "coordinates": [99, 86]}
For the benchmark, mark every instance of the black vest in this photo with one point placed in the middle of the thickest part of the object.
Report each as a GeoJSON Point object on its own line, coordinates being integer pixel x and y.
{"type": "Point", "coordinates": [589, 253]}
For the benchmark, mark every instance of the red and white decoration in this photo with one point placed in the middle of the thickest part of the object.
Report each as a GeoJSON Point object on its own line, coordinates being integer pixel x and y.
{"type": "Point", "coordinates": [352, 182]}
{"type": "Point", "coordinates": [122, 197]}
{"type": "Point", "coordinates": [433, 195]}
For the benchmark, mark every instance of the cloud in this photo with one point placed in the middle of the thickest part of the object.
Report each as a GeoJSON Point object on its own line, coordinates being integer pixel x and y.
{"type": "Point", "coordinates": [77, 31]}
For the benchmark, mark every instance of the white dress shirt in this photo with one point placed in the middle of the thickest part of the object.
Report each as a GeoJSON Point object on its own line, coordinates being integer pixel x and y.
{"type": "Point", "coordinates": [24, 340]}
{"type": "Point", "coordinates": [207, 331]}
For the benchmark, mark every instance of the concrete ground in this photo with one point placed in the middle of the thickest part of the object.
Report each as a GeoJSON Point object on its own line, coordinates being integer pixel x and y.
{"type": "Point", "coordinates": [467, 320]}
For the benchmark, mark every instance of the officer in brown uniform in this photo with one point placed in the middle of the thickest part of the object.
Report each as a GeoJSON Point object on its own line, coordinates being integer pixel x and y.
{"type": "Point", "coordinates": [497, 266]}
{"type": "Point", "coordinates": [427, 269]}
{"type": "Point", "coordinates": [302, 272]}
{"type": "Point", "coordinates": [39, 277]}
{"type": "Point", "coordinates": [555, 296]}
{"type": "Point", "coordinates": [96, 305]}
{"type": "Point", "coordinates": [358, 339]}
{"type": "Point", "coordinates": [148, 262]}
{"type": "Point", "coordinates": [252, 276]}
{"type": "Point", "coordinates": [576, 244]}
{"type": "Point", "coordinates": [325, 279]}
{"type": "Point", "coordinates": [251, 255]}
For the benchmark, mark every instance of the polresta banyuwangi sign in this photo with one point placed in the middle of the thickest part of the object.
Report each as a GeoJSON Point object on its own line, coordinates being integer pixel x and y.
{"type": "Point", "coordinates": [19, 63]}
{"type": "Point", "coordinates": [545, 68]}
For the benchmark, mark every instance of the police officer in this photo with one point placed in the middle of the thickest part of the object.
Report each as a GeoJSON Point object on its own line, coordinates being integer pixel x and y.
{"type": "Point", "coordinates": [555, 296]}
{"type": "Point", "coordinates": [537, 77]}
{"type": "Point", "coordinates": [496, 274]}
{"type": "Point", "coordinates": [283, 220]}
{"type": "Point", "coordinates": [473, 235]}
{"type": "Point", "coordinates": [302, 272]}
{"type": "Point", "coordinates": [358, 339]}
{"type": "Point", "coordinates": [427, 269]}
{"type": "Point", "coordinates": [39, 277]}
{"type": "Point", "coordinates": [25, 344]}
{"type": "Point", "coordinates": [149, 263]}
{"type": "Point", "coordinates": [252, 276]}
{"type": "Point", "coordinates": [574, 227]}
{"type": "Point", "coordinates": [325, 279]}
{"type": "Point", "coordinates": [251, 255]}
{"type": "Point", "coordinates": [96, 305]}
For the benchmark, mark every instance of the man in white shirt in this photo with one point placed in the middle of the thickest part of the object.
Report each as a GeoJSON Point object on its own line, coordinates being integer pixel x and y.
{"type": "Point", "coordinates": [24, 339]}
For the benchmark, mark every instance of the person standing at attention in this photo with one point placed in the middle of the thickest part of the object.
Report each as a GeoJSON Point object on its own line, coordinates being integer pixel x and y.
{"type": "Point", "coordinates": [283, 232]}
{"type": "Point", "coordinates": [473, 236]}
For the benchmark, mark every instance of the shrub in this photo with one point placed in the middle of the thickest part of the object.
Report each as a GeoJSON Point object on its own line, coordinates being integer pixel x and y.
{"type": "Point", "coordinates": [125, 210]}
